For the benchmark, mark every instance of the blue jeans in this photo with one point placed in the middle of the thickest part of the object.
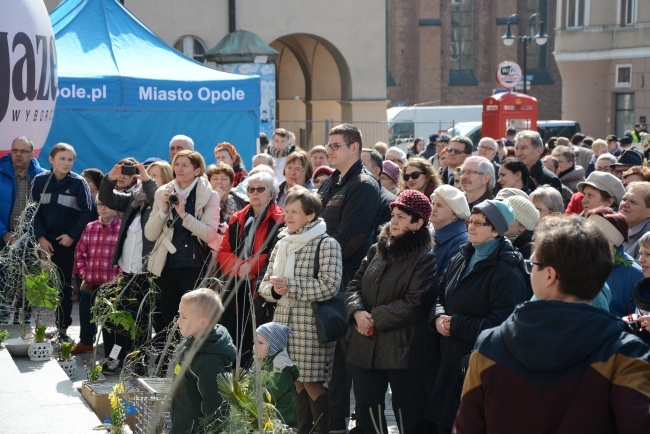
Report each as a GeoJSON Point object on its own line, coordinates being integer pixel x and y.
{"type": "Point", "coordinates": [88, 328]}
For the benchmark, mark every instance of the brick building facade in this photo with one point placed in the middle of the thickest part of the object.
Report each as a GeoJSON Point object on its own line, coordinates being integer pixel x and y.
{"type": "Point", "coordinates": [445, 52]}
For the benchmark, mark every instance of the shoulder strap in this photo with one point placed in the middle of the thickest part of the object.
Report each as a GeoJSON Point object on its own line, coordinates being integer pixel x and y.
{"type": "Point", "coordinates": [317, 257]}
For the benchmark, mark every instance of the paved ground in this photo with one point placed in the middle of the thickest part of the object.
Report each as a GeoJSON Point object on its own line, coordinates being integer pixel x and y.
{"type": "Point", "coordinates": [69, 395]}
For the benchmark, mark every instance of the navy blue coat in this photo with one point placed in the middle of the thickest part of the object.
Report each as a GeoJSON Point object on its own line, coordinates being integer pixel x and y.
{"type": "Point", "coordinates": [448, 241]}
{"type": "Point", "coordinates": [66, 206]}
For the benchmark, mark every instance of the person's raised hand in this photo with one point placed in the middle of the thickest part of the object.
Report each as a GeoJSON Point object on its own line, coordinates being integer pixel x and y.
{"type": "Point", "coordinates": [114, 173]}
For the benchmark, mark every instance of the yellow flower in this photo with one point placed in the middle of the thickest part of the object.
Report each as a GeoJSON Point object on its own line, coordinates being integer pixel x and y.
{"type": "Point", "coordinates": [118, 388]}
{"type": "Point", "coordinates": [99, 368]}
{"type": "Point", "coordinates": [268, 425]}
{"type": "Point", "coordinates": [268, 395]}
{"type": "Point", "coordinates": [115, 403]}
{"type": "Point", "coordinates": [269, 405]}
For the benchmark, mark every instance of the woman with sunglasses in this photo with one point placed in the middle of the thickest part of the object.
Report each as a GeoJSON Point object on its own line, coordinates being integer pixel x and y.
{"type": "Point", "coordinates": [480, 288]}
{"type": "Point", "coordinates": [418, 174]}
{"type": "Point", "coordinates": [243, 256]}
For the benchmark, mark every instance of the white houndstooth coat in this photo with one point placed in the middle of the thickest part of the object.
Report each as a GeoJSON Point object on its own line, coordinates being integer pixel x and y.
{"type": "Point", "coordinates": [314, 360]}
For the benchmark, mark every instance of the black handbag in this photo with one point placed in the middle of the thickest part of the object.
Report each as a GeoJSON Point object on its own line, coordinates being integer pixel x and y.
{"type": "Point", "coordinates": [329, 314]}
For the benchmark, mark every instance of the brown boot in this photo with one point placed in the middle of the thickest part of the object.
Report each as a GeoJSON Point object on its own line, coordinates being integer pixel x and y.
{"type": "Point", "coordinates": [320, 411]}
{"type": "Point", "coordinates": [303, 412]}
{"type": "Point", "coordinates": [80, 348]}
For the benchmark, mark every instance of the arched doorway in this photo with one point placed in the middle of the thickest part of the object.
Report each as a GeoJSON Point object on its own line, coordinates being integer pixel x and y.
{"type": "Point", "coordinates": [313, 86]}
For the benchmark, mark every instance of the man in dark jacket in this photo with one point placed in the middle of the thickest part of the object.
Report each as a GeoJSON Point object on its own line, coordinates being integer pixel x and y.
{"type": "Point", "coordinates": [17, 171]}
{"type": "Point", "coordinates": [528, 375]}
{"type": "Point", "coordinates": [529, 148]}
{"type": "Point", "coordinates": [351, 200]}
{"type": "Point", "coordinates": [372, 161]}
{"type": "Point", "coordinates": [430, 150]}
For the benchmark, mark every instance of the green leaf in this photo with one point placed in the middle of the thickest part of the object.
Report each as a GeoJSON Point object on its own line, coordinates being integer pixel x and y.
{"type": "Point", "coordinates": [39, 293]}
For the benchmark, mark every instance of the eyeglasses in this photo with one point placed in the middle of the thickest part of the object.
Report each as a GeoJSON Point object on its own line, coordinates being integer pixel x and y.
{"type": "Point", "coordinates": [603, 169]}
{"type": "Point", "coordinates": [486, 148]}
{"type": "Point", "coordinates": [252, 190]}
{"type": "Point", "coordinates": [477, 224]}
{"type": "Point", "coordinates": [617, 172]}
{"type": "Point", "coordinates": [528, 265]}
{"type": "Point", "coordinates": [455, 151]}
{"type": "Point", "coordinates": [336, 146]}
{"type": "Point", "coordinates": [294, 169]}
{"type": "Point", "coordinates": [470, 172]}
{"type": "Point", "coordinates": [412, 175]}
{"type": "Point", "coordinates": [20, 152]}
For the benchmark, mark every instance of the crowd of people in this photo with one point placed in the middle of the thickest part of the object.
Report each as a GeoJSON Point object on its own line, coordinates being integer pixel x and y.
{"type": "Point", "coordinates": [505, 289]}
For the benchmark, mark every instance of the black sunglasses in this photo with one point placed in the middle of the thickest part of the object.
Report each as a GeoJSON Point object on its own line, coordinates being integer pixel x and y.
{"type": "Point", "coordinates": [252, 190]}
{"type": "Point", "coordinates": [413, 175]}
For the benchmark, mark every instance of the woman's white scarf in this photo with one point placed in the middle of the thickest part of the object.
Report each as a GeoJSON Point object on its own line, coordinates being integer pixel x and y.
{"type": "Point", "coordinates": [285, 257]}
{"type": "Point", "coordinates": [185, 192]}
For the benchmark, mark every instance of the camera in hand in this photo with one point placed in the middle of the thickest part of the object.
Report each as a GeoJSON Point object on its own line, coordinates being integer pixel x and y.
{"type": "Point", "coordinates": [173, 199]}
{"type": "Point", "coordinates": [128, 169]}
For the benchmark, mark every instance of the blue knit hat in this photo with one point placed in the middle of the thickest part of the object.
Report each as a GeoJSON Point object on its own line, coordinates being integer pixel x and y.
{"type": "Point", "coordinates": [276, 334]}
{"type": "Point", "coordinates": [500, 214]}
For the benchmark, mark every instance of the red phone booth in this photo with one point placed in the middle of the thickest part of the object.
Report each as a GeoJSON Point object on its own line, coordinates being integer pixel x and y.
{"type": "Point", "coordinates": [508, 109]}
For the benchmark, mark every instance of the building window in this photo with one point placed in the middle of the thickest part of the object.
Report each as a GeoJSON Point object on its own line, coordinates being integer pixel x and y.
{"type": "Point", "coordinates": [575, 13]}
{"type": "Point", "coordinates": [461, 43]}
{"type": "Point", "coordinates": [627, 12]}
{"type": "Point", "coordinates": [537, 54]}
{"type": "Point", "coordinates": [191, 47]}
{"type": "Point", "coordinates": [623, 76]}
{"type": "Point", "coordinates": [624, 113]}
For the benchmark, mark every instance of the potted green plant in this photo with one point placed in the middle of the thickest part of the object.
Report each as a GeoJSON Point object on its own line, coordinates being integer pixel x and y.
{"type": "Point", "coordinates": [67, 361]}
{"type": "Point", "coordinates": [40, 295]}
{"type": "Point", "coordinates": [4, 334]}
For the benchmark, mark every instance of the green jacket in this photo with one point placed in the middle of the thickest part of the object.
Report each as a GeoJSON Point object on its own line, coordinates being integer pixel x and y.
{"type": "Point", "coordinates": [198, 395]}
{"type": "Point", "coordinates": [282, 375]}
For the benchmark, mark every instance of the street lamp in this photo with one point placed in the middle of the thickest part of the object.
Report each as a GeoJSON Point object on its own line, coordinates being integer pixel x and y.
{"type": "Point", "coordinates": [540, 38]}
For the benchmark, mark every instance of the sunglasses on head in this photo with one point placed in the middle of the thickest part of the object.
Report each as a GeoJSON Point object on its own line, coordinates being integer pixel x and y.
{"type": "Point", "coordinates": [412, 175]}
{"type": "Point", "coordinates": [252, 190]}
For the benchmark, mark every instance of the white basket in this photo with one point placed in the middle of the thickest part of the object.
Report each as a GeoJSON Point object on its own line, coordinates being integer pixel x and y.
{"type": "Point", "coordinates": [69, 367]}
{"type": "Point", "coordinates": [39, 351]}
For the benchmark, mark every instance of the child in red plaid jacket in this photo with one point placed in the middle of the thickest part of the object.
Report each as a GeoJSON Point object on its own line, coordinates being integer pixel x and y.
{"type": "Point", "coordinates": [93, 261]}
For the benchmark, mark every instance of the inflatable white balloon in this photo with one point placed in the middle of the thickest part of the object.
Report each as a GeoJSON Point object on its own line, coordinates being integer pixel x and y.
{"type": "Point", "coordinates": [28, 78]}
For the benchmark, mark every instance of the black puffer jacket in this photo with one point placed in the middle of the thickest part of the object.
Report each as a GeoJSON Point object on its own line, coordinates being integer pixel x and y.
{"type": "Point", "coordinates": [397, 284]}
{"type": "Point", "coordinates": [138, 201]}
{"type": "Point", "coordinates": [483, 299]}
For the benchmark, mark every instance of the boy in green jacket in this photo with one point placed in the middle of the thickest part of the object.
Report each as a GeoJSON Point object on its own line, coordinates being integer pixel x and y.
{"type": "Point", "coordinates": [270, 349]}
{"type": "Point", "coordinates": [198, 396]}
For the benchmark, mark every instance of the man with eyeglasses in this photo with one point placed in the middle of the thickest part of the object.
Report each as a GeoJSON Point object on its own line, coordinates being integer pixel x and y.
{"type": "Point", "coordinates": [529, 148]}
{"type": "Point", "coordinates": [351, 201]}
{"type": "Point", "coordinates": [17, 170]}
{"type": "Point", "coordinates": [629, 158]}
{"type": "Point", "coordinates": [458, 149]}
{"type": "Point", "coordinates": [488, 148]}
{"type": "Point", "coordinates": [373, 162]}
{"type": "Point", "coordinates": [477, 178]}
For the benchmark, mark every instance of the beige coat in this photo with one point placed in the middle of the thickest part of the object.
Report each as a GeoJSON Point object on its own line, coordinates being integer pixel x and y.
{"type": "Point", "coordinates": [203, 224]}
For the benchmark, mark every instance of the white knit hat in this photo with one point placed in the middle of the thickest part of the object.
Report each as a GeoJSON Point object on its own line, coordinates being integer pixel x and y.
{"type": "Point", "coordinates": [507, 192]}
{"type": "Point", "coordinates": [455, 199]}
{"type": "Point", "coordinates": [397, 153]}
{"type": "Point", "coordinates": [525, 211]}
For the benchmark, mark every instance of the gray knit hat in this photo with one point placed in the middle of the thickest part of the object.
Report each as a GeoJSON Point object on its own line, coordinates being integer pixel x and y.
{"type": "Point", "coordinates": [500, 214]}
{"type": "Point", "coordinates": [277, 335]}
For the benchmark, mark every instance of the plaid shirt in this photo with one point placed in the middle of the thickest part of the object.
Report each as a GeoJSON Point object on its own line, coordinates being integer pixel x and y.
{"type": "Point", "coordinates": [94, 252]}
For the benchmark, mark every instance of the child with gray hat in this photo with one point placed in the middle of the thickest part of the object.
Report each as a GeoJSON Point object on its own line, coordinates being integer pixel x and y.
{"type": "Point", "coordinates": [270, 350]}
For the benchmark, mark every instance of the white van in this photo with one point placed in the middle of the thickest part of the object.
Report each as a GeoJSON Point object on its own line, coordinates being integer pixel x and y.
{"type": "Point", "coordinates": [407, 123]}
{"type": "Point", "coordinates": [546, 129]}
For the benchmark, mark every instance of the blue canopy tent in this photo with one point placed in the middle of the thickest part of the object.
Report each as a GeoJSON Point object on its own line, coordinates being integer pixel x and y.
{"type": "Point", "coordinates": [123, 92]}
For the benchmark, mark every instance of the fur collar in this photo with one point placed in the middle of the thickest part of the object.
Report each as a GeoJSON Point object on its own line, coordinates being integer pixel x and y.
{"type": "Point", "coordinates": [403, 248]}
